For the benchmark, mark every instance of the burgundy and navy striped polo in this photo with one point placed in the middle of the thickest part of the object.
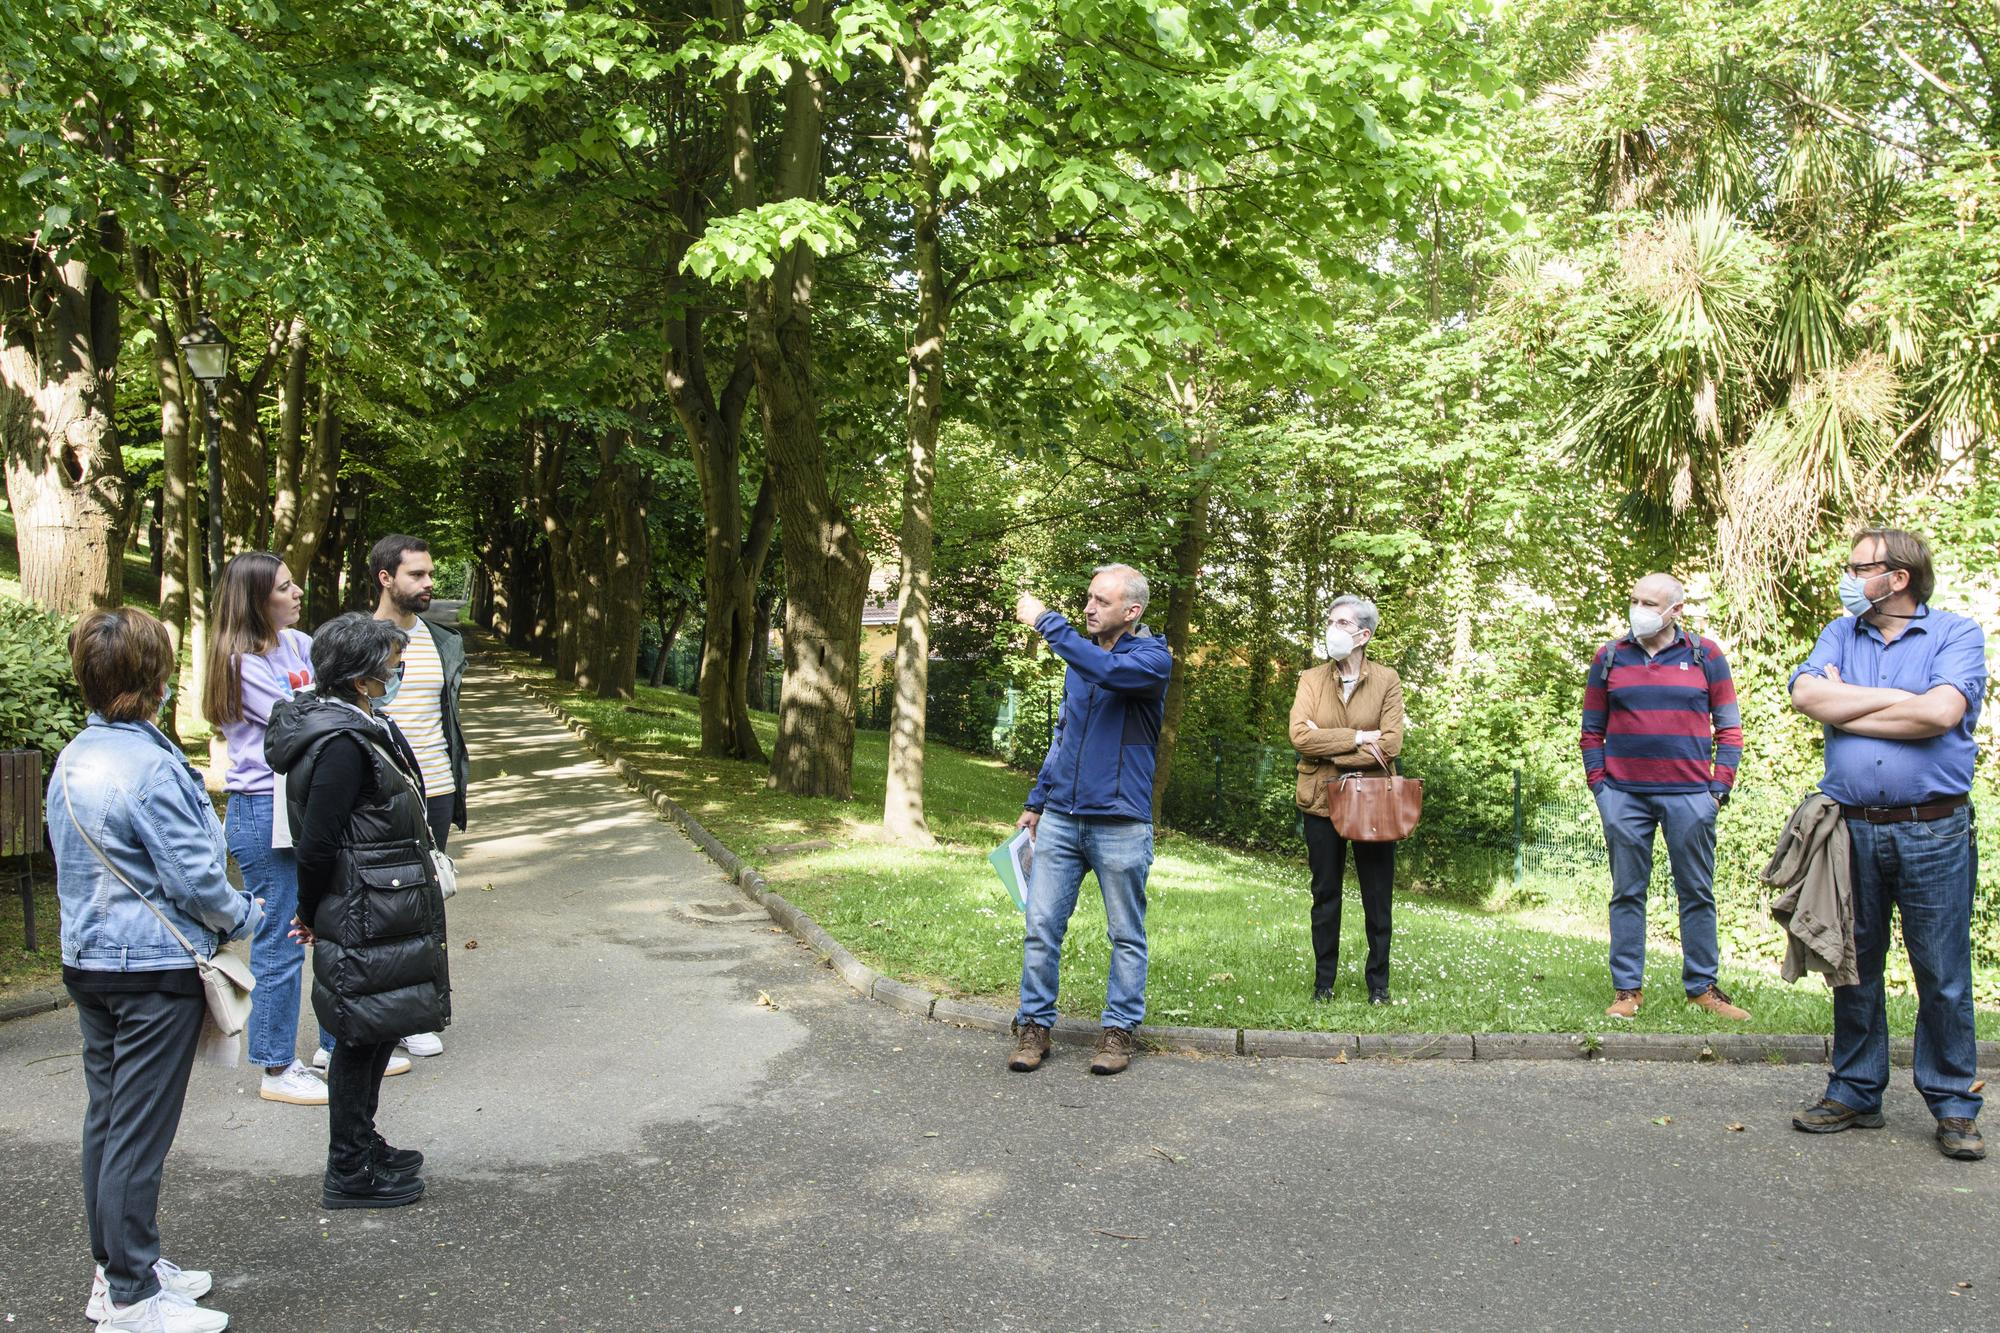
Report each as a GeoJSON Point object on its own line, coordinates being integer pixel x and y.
{"type": "Point", "coordinates": [1662, 724]}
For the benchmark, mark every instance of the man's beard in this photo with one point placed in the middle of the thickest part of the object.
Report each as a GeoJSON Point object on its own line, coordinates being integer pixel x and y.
{"type": "Point", "coordinates": [414, 604]}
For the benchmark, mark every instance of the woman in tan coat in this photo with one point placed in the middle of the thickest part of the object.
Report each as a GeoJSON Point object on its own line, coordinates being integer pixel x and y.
{"type": "Point", "coordinates": [1348, 710]}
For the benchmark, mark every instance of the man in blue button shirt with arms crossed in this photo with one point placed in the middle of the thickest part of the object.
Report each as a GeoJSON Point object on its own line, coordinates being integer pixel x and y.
{"type": "Point", "coordinates": [1898, 686]}
{"type": "Point", "coordinates": [1091, 808]}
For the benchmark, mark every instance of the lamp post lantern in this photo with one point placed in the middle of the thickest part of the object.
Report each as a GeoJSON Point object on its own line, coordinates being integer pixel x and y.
{"type": "Point", "coordinates": [207, 354]}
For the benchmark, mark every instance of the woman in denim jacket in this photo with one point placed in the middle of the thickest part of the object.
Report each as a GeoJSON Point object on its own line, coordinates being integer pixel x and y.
{"type": "Point", "coordinates": [124, 802]}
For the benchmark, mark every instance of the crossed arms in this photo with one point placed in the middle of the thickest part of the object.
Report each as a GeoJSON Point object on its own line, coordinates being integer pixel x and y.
{"type": "Point", "coordinates": [1887, 714]}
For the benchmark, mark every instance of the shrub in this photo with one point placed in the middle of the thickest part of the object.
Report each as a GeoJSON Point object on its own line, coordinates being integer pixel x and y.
{"type": "Point", "coordinates": [40, 709]}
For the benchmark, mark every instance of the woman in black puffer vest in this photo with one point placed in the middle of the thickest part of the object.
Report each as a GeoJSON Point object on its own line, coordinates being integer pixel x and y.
{"type": "Point", "coordinates": [369, 902]}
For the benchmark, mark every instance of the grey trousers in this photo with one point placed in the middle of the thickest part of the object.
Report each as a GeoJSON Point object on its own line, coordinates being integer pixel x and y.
{"type": "Point", "coordinates": [138, 1048]}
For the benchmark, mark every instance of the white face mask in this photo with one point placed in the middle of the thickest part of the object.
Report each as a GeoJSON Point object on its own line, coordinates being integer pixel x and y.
{"type": "Point", "coordinates": [1338, 645]}
{"type": "Point", "coordinates": [1645, 621]}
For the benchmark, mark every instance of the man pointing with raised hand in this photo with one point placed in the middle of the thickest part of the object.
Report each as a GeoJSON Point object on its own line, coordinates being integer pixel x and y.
{"type": "Point", "coordinates": [1091, 808]}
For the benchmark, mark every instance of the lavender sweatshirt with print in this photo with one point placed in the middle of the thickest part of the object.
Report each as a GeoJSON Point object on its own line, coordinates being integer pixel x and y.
{"type": "Point", "coordinates": [267, 678]}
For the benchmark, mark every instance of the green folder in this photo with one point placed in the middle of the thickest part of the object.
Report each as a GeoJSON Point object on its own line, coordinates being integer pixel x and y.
{"type": "Point", "coordinates": [1012, 860]}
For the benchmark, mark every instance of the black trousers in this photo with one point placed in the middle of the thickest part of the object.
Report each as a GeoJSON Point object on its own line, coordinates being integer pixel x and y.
{"type": "Point", "coordinates": [138, 1048]}
{"type": "Point", "coordinates": [437, 813]}
{"type": "Point", "coordinates": [353, 1091]}
{"type": "Point", "coordinates": [1375, 867]}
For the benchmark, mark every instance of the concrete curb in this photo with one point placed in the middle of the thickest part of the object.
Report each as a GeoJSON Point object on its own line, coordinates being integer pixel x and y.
{"type": "Point", "coordinates": [1687, 1048]}
{"type": "Point", "coordinates": [29, 1003]}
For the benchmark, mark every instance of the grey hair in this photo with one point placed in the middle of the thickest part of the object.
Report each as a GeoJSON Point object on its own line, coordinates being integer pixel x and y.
{"type": "Point", "coordinates": [1137, 590]}
{"type": "Point", "coordinates": [1365, 614]}
{"type": "Point", "coordinates": [352, 648]}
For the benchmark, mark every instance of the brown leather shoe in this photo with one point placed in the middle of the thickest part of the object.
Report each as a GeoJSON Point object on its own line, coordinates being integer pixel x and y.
{"type": "Point", "coordinates": [1031, 1047]}
{"type": "Point", "coordinates": [1625, 1005]}
{"type": "Point", "coordinates": [1114, 1051]}
{"type": "Point", "coordinates": [1716, 1002]}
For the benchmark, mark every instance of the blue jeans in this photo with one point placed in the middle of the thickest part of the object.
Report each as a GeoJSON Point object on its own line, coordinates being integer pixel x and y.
{"type": "Point", "coordinates": [1925, 869]}
{"type": "Point", "coordinates": [1120, 851]}
{"type": "Point", "coordinates": [1630, 820]}
{"type": "Point", "coordinates": [276, 960]}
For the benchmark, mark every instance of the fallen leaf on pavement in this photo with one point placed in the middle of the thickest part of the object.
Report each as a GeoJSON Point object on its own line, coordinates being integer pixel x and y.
{"type": "Point", "coordinates": [764, 1000]}
{"type": "Point", "coordinates": [472, 944]}
{"type": "Point", "coordinates": [1663, 1120]}
{"type": "Point", "coordinates": [1340, 1057]}
{"type": "Point", "coordinates": [486, 888]}
{"type": "Point", "coordinates": [1734, 1127]}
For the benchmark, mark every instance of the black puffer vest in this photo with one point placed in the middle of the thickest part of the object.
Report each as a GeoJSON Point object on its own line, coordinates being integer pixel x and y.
{"type": "Point", "coordinates": [379, 960]}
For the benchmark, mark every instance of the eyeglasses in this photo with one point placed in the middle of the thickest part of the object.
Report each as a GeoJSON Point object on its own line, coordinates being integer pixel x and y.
{"type": "Point", "coordinates": [1865, 566]}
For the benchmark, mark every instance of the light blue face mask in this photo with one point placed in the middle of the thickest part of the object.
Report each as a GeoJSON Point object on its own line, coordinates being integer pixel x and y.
{"type": "Point", "coordinates": [390, 688]}
{"type": "Point", "coordinates": [1854, 594]}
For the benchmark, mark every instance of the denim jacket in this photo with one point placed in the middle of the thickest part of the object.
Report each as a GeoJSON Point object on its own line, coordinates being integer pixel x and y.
{"type": "Point", "coordinates": [145, 807]}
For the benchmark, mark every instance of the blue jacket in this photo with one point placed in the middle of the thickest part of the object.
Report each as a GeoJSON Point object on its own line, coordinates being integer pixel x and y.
{"type": "Point", "coordinates": [1101, 756]}
{"type": "Point", "coordinates": [145, 807]}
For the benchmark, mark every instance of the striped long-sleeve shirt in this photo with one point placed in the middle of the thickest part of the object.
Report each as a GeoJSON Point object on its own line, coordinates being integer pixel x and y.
{"type": "Point", "coordinates": [1667, 723]}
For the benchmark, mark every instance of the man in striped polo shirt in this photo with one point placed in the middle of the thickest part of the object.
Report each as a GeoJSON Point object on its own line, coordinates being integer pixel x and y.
{"type": "Point", "coordinates": [1661, 739]}
{"type": "Point", "coordinates": [425, 704]}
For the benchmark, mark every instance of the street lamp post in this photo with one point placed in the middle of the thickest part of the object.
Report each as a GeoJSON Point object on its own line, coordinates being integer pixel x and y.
{"type": "Point", "coordinates": [207, 353]}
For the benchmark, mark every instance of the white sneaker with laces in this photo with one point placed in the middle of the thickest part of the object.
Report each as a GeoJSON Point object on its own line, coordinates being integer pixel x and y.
{"type": "Point", "coordinates": [398, 1064]}
{"type": "Point", "coordinates": [423, 1044]}
{"type": "Point", "coordinates": [296, 1086]}
{"type": "Point", "coordinates": [188, 1283]}
{"type": "Point", "coordinates": [163, 1312]}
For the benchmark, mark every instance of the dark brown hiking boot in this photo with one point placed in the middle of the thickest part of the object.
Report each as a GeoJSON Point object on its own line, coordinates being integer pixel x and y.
{"type": "Point", "coordinates": [1958, 1139]}
{"type": "Point", "coordinates": [1828, 1116]}
{"type": "Point", "coordinates": [1031, 1047]}
{"type": "Point", "coordinates": [1114, 1051]}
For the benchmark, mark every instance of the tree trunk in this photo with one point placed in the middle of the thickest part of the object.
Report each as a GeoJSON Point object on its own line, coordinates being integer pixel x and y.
{"type": "Point", "coordinates": [59, 340]}
{"type": "Point", "coordinates": [733, 553]}
{"type": "Point", "coordinates": [760, 654]}
{"type": "Point", "coordinates": [290, 455]}
{"type": "Point", "coordinates": [670, 630]}
{"type": "Point", "coordinates": [176, 460]}
{"type": "Point", "coordinates": [1263, 608]}
{"type": "Point", "coordinates": [903, 798]}
{"type": "Point", "coordinates": [628, 554]}
{"type": "Point", "coordinates": [826, 572]}
{"type": "Point", "coordinates": [1190, 545]}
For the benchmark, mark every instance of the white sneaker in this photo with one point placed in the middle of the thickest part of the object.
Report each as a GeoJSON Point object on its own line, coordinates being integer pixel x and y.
{"type": "Point", "coordinates": [423, 1043]}
{"type": "Point", "coordinates": [164, 1312]}
{"type": "Point", "coordinates": [296, 1086]}
{"type": "Point", "coordinates": [189, 1283]}
{"type": "Point", "coordinates": [398, 1064]}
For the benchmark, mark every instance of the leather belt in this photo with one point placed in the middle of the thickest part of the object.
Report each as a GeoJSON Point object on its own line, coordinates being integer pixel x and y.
{"type": "Point", "coordinates": [1904, 814]}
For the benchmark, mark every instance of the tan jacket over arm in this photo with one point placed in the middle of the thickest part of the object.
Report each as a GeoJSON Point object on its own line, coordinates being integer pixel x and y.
{"type": "Point", "coordinates": [1329, 746]}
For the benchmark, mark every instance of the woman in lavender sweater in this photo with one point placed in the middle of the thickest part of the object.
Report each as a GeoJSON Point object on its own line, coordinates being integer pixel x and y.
{"type": "Point", "coordinates": [256, 660]}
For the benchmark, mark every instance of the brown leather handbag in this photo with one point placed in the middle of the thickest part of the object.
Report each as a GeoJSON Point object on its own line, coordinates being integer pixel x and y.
{"type": "Point", "coordinates": [1368, 808]}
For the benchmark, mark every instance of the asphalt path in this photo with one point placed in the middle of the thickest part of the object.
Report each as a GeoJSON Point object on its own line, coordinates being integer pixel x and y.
{"type": "Point", "coordinates": [657, 1112]}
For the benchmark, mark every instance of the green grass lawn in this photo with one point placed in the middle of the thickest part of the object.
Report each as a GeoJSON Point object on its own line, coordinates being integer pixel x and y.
{"type": "Point", "coordinates": [20, 970]}
{"type": "Point", "coordinates": [1227, 931]}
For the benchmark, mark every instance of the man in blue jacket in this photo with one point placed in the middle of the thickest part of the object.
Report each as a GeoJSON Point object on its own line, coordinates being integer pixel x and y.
{"type": "Point", "coordinates": [1091, 808]}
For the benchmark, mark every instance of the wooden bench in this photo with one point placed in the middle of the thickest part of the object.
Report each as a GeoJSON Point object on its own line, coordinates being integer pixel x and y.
{"type": "Point", "coordinates": [21, 824]}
